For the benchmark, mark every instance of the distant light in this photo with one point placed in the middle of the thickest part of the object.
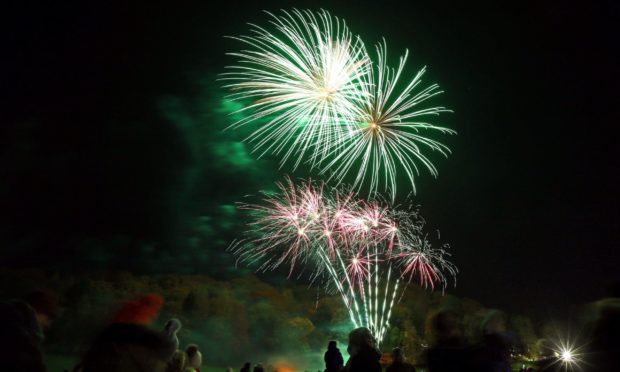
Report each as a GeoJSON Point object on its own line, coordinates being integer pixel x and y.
{"type": "Point", "coordinates": [567, 356]}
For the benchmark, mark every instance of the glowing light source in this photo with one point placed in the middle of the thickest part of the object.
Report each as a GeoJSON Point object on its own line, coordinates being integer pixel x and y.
{"type": "Point", "coordinates": [567, 356]}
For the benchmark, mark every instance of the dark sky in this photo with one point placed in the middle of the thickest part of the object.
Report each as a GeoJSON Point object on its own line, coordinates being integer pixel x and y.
{"type": "Point", "coordinates": [112, 154]}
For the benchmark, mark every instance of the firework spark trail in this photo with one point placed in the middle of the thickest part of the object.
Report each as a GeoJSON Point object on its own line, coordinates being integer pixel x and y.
{"type": "Point", "coordinates": [387, 287]}
{"type": "Point", "coordinates": [362, 263]}
{"type": "Point", "coordinates": [315, 96]}
{"type": "Point", "coordinates": [341, 290]}
{"type": "Point", "coordinates": [305, 81]}
{"type": "Point", "coordinates": [388, 130]}
{"type": "Point", "coordinates": [351, 292]}
{"type": "Point", "coordinates": [389, 314]}
{"type": "Point", "coordinates": [376, 289]}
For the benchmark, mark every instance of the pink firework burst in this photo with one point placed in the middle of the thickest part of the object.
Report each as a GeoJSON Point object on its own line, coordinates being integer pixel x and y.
{"type": "Point", "coordinates": [419, 260]}
{"type": "Point", "coordinates": [358, 269]}
{"type": "Point", "coordinates": [364, 250]}
{"type": "Point", "coordinates": [418, 263]}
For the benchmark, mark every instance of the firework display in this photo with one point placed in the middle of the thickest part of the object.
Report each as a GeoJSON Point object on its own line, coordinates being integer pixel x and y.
{"type": "Point", "coordinates": [387, 134]}
{"type": "Point", "coordinates": [364, 250]}
{"type": "Point", "coordinates": [314, 95]}
{"type": "Point", "coordinates": [305, 81]}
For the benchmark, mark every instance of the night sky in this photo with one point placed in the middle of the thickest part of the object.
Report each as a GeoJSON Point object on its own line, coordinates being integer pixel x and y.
{"type": "Point", "coordinates": [112, 154]}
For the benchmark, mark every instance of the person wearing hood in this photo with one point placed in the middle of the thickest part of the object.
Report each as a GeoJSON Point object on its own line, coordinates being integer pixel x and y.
{"type": "Point", "coordinates": [363, 353]}
{"type": "Point", "coordinates": [128, 344]}
{"type": "Point", "coordinates": [170, 330]}
{"type": "Point", "coordinates": [333, 358]}
{"type": "Point", "coordinates": [194, 358]}
{"type": "Point", "coordinates": [22, 335]}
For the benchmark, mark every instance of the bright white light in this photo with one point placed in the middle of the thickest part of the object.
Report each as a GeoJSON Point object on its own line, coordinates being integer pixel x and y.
{"type": "Point", "coordinates": [567, 356]}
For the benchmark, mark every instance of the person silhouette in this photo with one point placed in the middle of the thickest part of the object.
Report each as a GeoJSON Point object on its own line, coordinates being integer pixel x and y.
{"type": "Point", "coordinates": [448, 353]}
{"type": "Point", "coordinates": [23, 334]}
{"type": "Point", "coordinates": [333, 358]}
{"type": "Point", "coordinates": [399, 363]}
{"type": "Point", "coordinates": [362, 349]}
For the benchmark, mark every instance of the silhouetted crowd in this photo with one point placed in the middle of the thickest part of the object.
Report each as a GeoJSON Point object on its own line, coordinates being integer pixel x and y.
{"type": "Point", "coordinates": [128, 343]}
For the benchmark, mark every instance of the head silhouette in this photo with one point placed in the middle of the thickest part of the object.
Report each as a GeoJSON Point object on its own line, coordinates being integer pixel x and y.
{"type": "Point", "coordinates": [397, 355]}
{"type": "Point", "coordinates": [360, 340]}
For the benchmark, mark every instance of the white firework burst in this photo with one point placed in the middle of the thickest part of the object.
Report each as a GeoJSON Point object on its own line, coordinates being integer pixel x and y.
{"type": "Point", "coordinates": [305, 83]}
{"type": "Point", "coordinates": [391, 129]}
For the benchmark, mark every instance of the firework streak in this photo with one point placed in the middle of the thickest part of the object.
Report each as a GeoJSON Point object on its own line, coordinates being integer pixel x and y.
{"type": "Point", "coordinates": [315, 96]}
{"type": "Point", "coordinates": [364, 250]}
